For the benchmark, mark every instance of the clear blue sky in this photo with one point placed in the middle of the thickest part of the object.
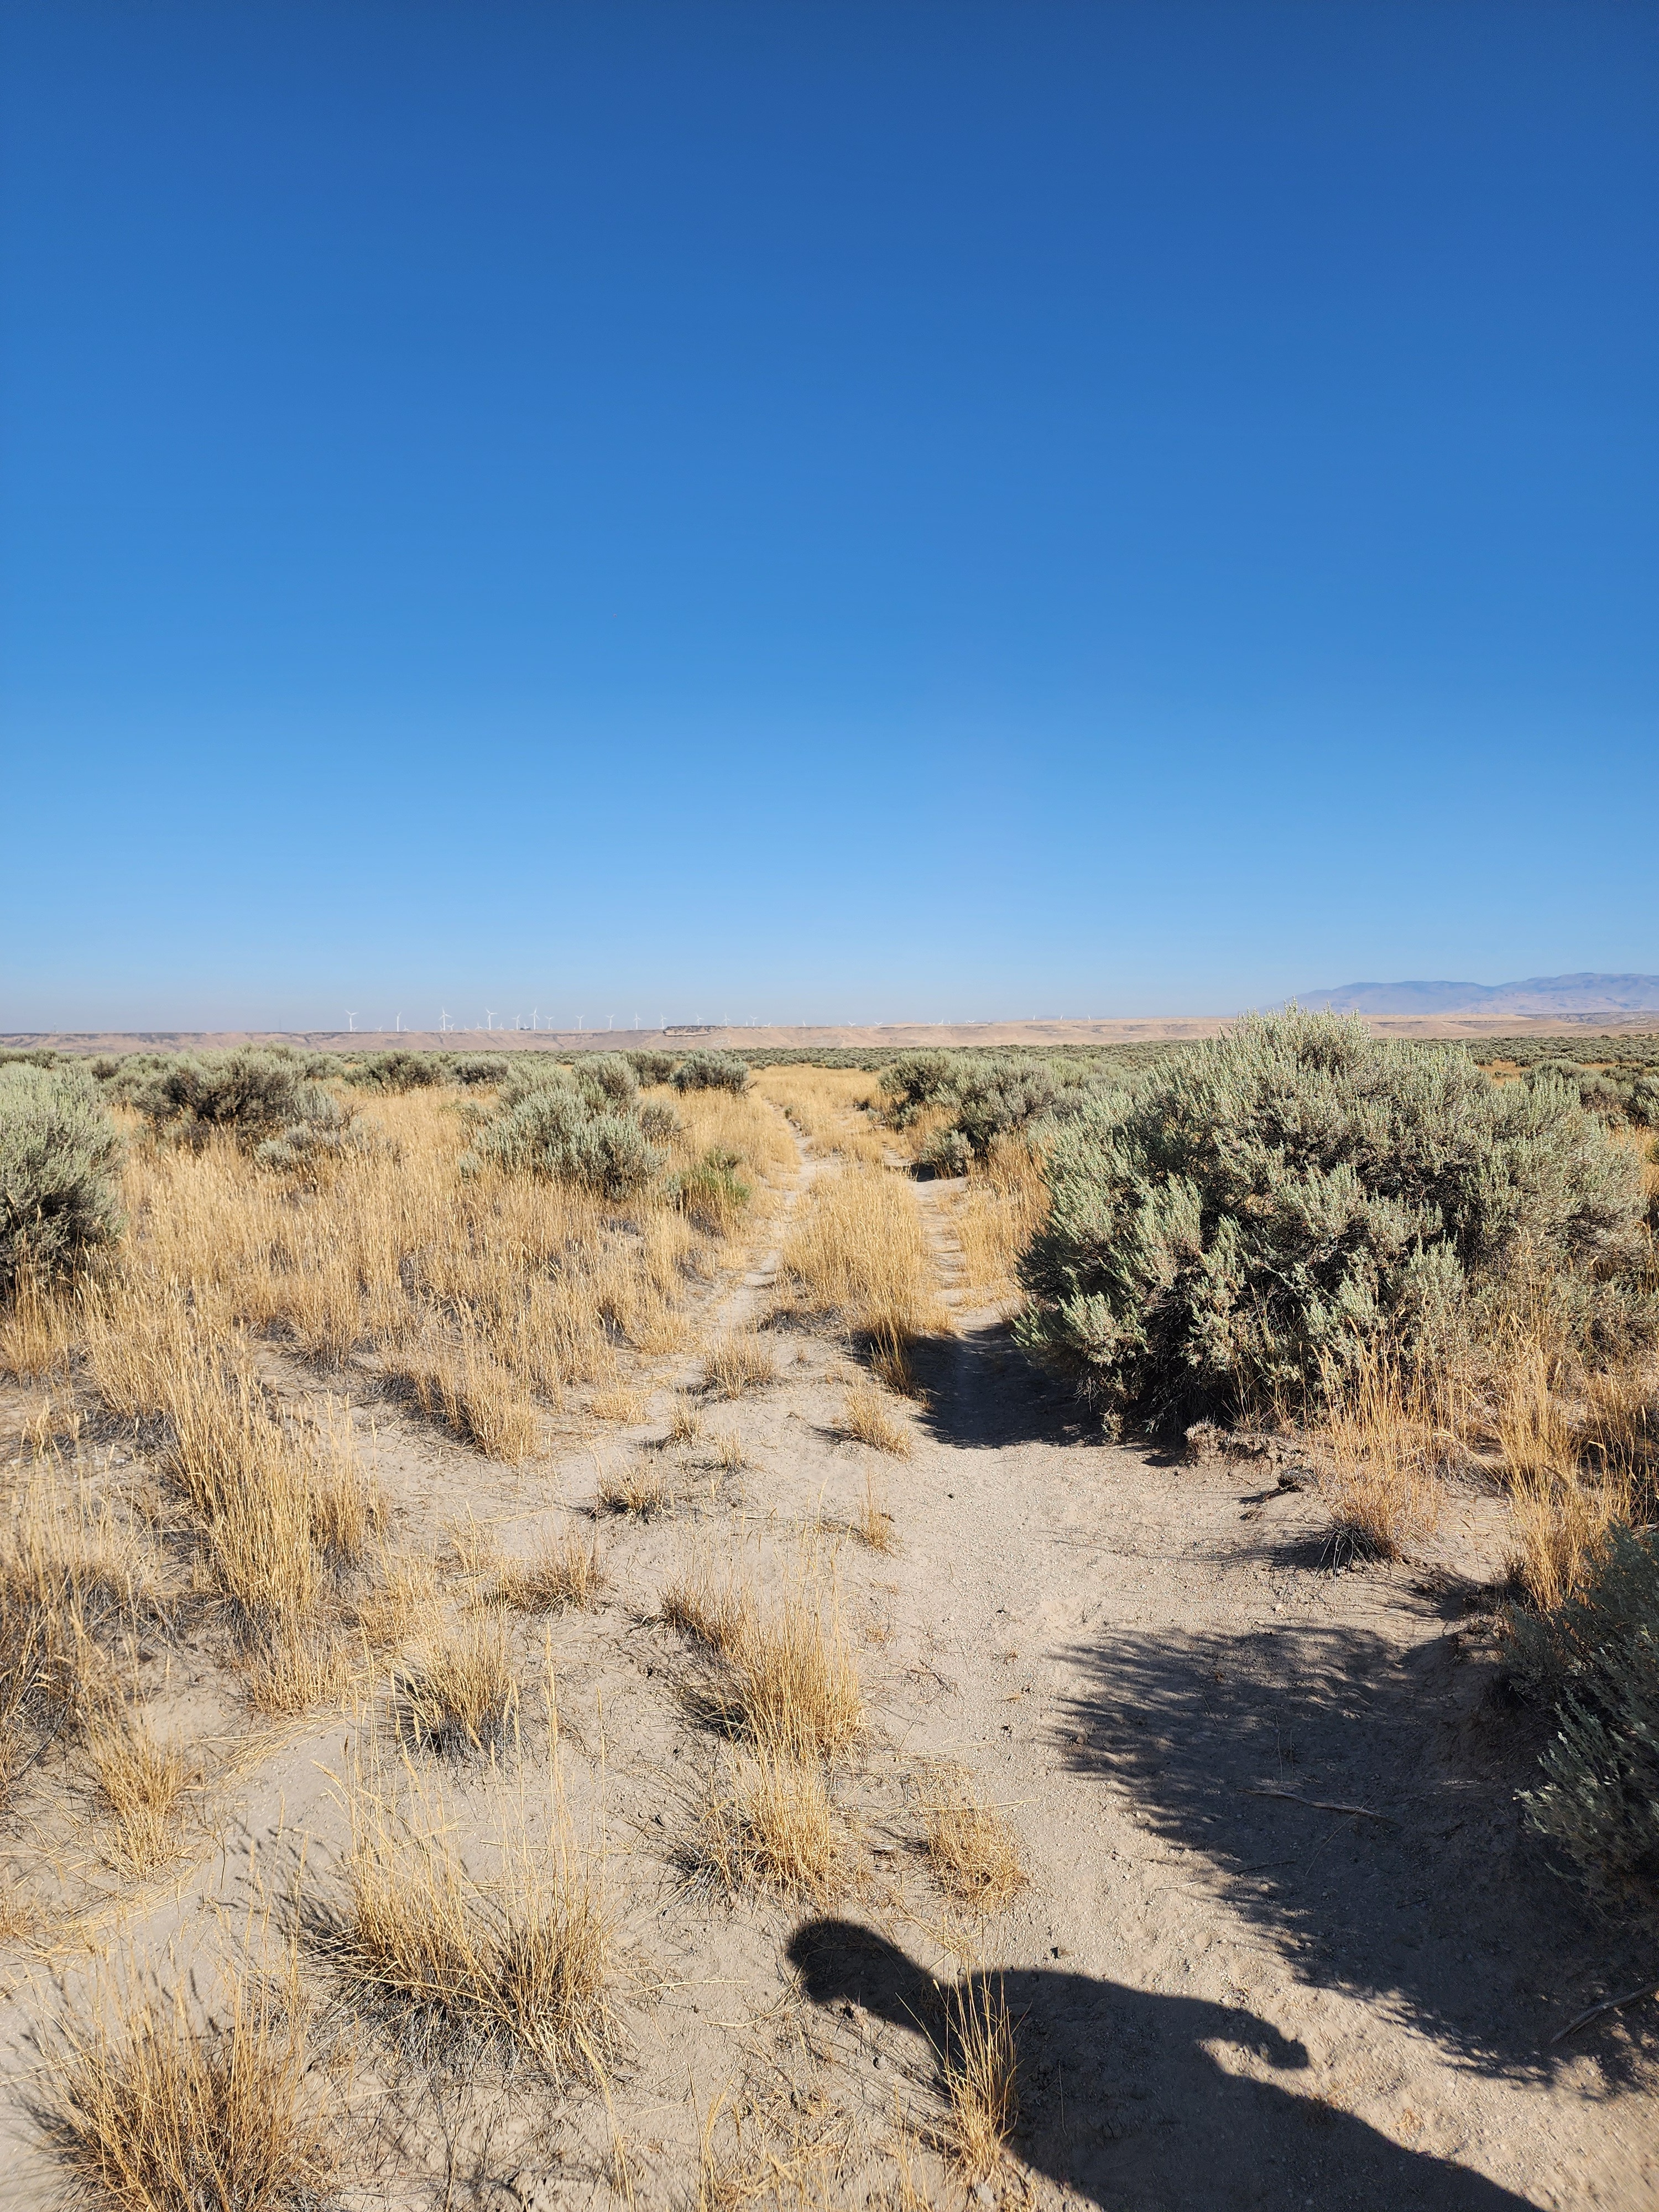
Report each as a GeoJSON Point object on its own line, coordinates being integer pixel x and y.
{"type": "Point", "coordinates": [822, 509]}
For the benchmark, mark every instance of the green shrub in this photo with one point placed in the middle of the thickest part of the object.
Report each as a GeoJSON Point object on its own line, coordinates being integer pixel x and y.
{"type": "Point", "coordinates": [715, 1192]}
{"type": "Point", "coordinates": [660, 1121]}
{"type": "Point", "coordinates": [59, 1151]}
{"type": "Point", "coordinates": [473, 1070]}
{"type": "Point", "coordinates": [610, 1076]}
{"type": "Point", "coordinates": [398, 1071]}
{"type": "Point", "coordinates": [1600, 1654]}
{"type": "Point", "coordinates": [554, 1129]}
{"type": "Point", "coordinates": [254, 1092]}
{"type": "Point", "coordinates": [947, 1152]}
{"type": "Point", "coordinates": [712, 1071]}
{"type": "Point", "coordinates": [915, 1081]}
{"type": "Point", "coordinates": [323, 1137]}
{"type": "Point", "coordinates": [653, 1066]}
{"type": "Point", "coordinates": [1233, 1229]}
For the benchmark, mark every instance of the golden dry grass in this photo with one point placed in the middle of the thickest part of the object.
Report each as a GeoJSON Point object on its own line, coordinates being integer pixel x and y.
{"type": "Point", "coordinates": [829, 1106]}
{"type": "Point", "coordinates": [868, 1416]}
{"type": "Point", "coordinates": [1387, 1441]}
{"type": "Point", "coordinates": [981, 2076]}
{"type": "Point", "coordinates": [973, 1852]}
{"type": "Point", "coordinates": [562, 1571]}
{"type": "Point", "coordinates": [460, 1693]}
{"type": "Point", "coordinates": [997, 1218]}
{"type": "Point", "coordinates": [455, 1967]}
{"type": "Point", "coordinates": [149, 2111]}
{"type": "Point", "coordinates": [771, 1831]}
{"type": "Point", "coordinates": [684, 1423]}
{"type": "Point", "coordinates": [873, 1523]}
{"type": "Point", "coordinates": [37, 1328]}
{"type": "Point", "coordinates": [636, 1488]}
{"type": "Point", "coordinates": [142, 1784]}
{"type": "Point", "coordinates": [738, 1363]}
{"type": "Point", "coordinates": [857, 1252]}
{"type": "Point", "coordinates": [789, 1681]}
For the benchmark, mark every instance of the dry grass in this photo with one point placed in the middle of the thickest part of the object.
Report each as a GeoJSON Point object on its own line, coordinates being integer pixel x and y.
{"type": "Point", "coordinates": [868, 1418]}
{"type": "Point", "coordinates": [789, 1681]}
{"type": "Point", "coordinates": [460, 1694]}
{"type": "Point", "coordinates": [684, 1423]}
{"type": "Point", "coordinates": [981, 2076]}
{"type": "Point", "coordinates": [636, 1488]}
{"type": "Point", "coordinates": [873, 1524]}
{"type": "Point", "coordinates": [37, 1328]}
{"type": "Point", "coordinates": [858, 1253]}
{"type": "Point", "coordinates": [619, 1406]}
{"type": "Point", "coordinates": [773, 1832]}
{"type": "Point", "coordinates": [466, 1387]}
{"type": "Point", "coordinates": [740, 1362]}
{"type": "Point", "coordinates": [562, 1572]}
{"type": "Point", "coordinates": [142, 1784]}
{"type": "Point", "coordinates": [149, 2111]}
{"type": "Point", "coordinates": [973, 1852]}
{"type": "Point", "coordinates": [997, 1218]}
{"type": "Point", "coordinates": [829, 1106]}
{"type": "Point", "coordinates": [1387, 1439]}
{"type": "Point", "coordinates": [729, 1453]}
{"type": "Point", "coordinates": [455, 1968]}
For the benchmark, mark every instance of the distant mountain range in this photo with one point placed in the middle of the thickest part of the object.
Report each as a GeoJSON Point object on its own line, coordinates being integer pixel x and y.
{"type": "Point", "coordinates": [1538, 994]}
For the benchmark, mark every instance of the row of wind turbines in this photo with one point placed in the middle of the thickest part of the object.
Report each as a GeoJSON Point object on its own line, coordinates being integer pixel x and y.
{"type": "Point", "coordinates": [493, 1019]}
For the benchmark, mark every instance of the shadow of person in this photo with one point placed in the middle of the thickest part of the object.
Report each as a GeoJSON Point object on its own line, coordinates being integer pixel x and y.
{"type": "Point", "coordinates": [1123, 2103]}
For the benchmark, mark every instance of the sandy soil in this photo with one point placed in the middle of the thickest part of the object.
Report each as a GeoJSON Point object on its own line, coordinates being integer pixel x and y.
{"type": "Point", "coordinates": [1225, 1996]}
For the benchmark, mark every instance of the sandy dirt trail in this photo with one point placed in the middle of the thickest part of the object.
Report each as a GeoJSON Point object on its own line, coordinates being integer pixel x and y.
{"type": "Point", "coordinates": [1223, 1998]}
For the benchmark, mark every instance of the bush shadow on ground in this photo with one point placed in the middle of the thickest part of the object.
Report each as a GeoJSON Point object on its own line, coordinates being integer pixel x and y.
{"type": "Point", "coordinates": [1447, 1913]}
{"type": "Point", "coordinates": [1123, 2103]}
{"type": "Point", "coordinates": [981, 1393]}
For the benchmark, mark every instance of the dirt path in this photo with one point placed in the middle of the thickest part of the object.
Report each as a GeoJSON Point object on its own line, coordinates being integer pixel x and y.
{"type": "Point", "coordinates": [1223, 1998]}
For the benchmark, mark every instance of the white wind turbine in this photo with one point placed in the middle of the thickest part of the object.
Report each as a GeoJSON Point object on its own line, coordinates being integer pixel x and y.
{"type": "Point", "coordinates": [443, 1020]}
{"type": "Point", "coordinates": [490, 1013]}
{"type": "Point", "coordinates": [351, 1021]}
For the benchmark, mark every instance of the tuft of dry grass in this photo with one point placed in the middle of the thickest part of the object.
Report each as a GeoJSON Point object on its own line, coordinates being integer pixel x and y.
{"type": "Point", "coordinates": [619, 1405]}
{"type": "Point", "coordinates": [973, 1852]}
{"type": "Point", "coordinates": [149, 2111]}
{"type": "Point", "coordinates": [789, 1679]}
{"type": "Point", "coordinates": [858, 1252]}
{"type": "Point", "coordinates": [738, 1363]}
{"type": "Point", "coordinates": [477, 1397]}
{"type": "Point", "coordinates": [873, 1524]}
{"type": "Point", "coordinates": [459, 1969]}
{"type": "Point", "coordinates": [1387, 1440]}
{"type": "Point", "coordinates": [636, 1488]}
{"type": "Point", "coordinates": [729, 1453]}
{"type": "Point", "coordinates": [684, 1423]}
{"type": "Point", "coordinates": [142, 1784]}
{"type": "Point", "coordinates": [459, 1694]}
{"type": "Point", "coordinates": [869, 1418]}
{"type": "Point", "coordinates": [981, 2076]}
{"type": "Point", "coordinates": [772, 1831]}
{"type": "Point", "coordinates": [998, 1215]}
{"type": "Point", "coordinates": [562, 1572]}
{"type": "Point", "coordinates": [37, 1328]}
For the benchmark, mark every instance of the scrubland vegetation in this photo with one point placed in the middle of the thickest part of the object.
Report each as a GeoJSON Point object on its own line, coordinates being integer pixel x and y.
{"type": "Point", "coordinates": [225, 1281]}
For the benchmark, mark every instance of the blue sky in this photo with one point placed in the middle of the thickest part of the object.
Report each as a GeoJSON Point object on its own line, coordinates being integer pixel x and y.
{"type": "Point", "coordinates": [817, 510]}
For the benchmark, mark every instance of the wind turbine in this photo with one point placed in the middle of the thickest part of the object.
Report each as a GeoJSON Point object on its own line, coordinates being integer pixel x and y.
{"type": "Point", "coordinates": [443, 1020]}
{"type": "Point", "coordinates": [351, 1021]}
{"type": "Point", "coordinates": [397, 1024]}
{"type": "Point", "coordinates": [533, 1012]}
{"type": "Point", "coordinates": [490, 1013]}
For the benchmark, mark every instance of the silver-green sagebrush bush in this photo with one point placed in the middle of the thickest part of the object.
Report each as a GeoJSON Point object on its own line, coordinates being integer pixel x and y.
{"type": "Point", "coordinates": [1236, 1228]}
{"type": "Point", "coordinates": [1598, 1654]}
{"type": "Point", "coordinates": [59, 1156]}
{"type": "Point", "coordinates": [712, 1071]}
{"type": "Point", "coordinates": [580, 1128]}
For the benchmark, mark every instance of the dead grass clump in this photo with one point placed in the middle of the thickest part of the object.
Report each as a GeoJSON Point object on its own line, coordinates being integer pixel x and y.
{"type": "Point", "coordinates": [148, 2111]}
{"type": "Point", "coordinates": [998, 1216]}
{"type": "Point", "coordinates": [873, 1524]}
{"type": "Point", "coordinates": [562, 1572]}
{"type": "Point", "coordinates": [460, 1694]}
{"type": "Point", "coordinates": [142, 1784]}
{"type": "Point", "coordinates": [740, 1362]}
{"type": "Point", "coordinates": [729, 1453]}
{"type": "Point", "coordinates": [795, 1680]}
{"type": "Point", "coordinates": [518, 1967]}
{"type": "Point", "coordinates": [38, 1325]}
{"type": "Point", "coordinates": [684, 1423]}
{"type": "Point", "coordinates": [773, 1832]}
{"type": "Point", "coordinates": [972, 1851]}
{"type": "Point", "coordinates": [717, 1616]}
{"type": "Point", "coordinates": [621, 1406]}
{"type": "Point", "coordinates": [476, 1397]}
{"type": "Point", "coordinates": [1388, 1441]}
{"type": "Point", "coordinates": [857, 1251]}
{"type": "Point", "coordinates": [981, 2076]}
{"type": "Point", "coordinates": [636, 1489]}
{"type": "Point", "coordinates": [868, 1418]}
